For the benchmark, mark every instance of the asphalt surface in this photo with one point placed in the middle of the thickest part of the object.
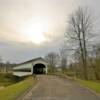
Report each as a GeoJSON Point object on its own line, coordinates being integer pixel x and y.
{"type": "Point", "coordinates": [55, 88]}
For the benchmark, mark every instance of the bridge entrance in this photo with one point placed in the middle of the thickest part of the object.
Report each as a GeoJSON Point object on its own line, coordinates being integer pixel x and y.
{"type": "Point", "coordinates": [39, 69]}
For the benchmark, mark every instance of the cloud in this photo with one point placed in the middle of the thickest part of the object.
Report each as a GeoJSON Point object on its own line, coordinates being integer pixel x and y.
{"type": "Point", "coordinates": [16, 15]}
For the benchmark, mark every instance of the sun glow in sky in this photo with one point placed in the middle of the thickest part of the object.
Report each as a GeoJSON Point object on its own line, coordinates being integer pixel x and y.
{"type": "Point", "coordinates": [35, 31]}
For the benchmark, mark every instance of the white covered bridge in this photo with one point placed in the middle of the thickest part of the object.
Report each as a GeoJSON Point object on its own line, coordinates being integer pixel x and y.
{"type": "Point", "coordinates": [34, 66]}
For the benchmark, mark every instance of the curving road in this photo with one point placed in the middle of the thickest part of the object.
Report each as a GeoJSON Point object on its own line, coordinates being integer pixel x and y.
{"type": "Point", "coordinates": [55, 88]}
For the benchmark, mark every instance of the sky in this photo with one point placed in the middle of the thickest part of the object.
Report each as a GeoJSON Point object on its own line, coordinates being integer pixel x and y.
{"type": "Point", "coordinates": [33, 28]}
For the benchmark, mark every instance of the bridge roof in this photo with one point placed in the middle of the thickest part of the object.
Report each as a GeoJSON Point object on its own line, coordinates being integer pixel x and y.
{"type": "Point", "coordinates": [32, 60]}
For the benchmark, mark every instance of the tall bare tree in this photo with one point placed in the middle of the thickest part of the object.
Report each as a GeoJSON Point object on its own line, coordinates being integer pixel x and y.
{"type": "Point", "coordinates": [80, 26]}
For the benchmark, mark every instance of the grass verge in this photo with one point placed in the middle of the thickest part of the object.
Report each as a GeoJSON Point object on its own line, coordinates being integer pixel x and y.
{"type": "Point", "coordinates": [9, 79]}
{"type": "Point", "coordinates": [13, 91]}
{"type": "Point", "coordinates": [95, 86]}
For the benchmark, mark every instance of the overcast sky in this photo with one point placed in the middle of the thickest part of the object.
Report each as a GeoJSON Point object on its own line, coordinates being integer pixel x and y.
{"type": "Point", "coordinates": [32, 28]}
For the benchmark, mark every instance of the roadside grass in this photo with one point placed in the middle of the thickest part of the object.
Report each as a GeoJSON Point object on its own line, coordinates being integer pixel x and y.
{"type": "Point", "coordinates": [13, 91]}
{"type": "Point", "coordinates": [95, 86]}
{"type": "Point", "coordinates": [8, 79]}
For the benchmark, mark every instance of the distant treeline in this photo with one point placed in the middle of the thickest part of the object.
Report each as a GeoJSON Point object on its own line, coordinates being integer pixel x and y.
{"type": "Point", "coordinates": [6, 67]}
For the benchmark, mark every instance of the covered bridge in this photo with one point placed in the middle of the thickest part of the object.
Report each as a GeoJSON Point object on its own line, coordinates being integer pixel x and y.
{"type": "Point", "coordinates": [34, 66]}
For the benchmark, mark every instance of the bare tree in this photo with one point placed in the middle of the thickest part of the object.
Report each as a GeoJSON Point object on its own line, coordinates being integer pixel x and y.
{"type": "Point", "coordinates": [52, 59]}
{"type": "Point", "coordinates": [1, 64]}
{"type": "Point", "coordinates": [8, 67]}
{"type": "Point", "coordinates": [95, 61]}
{"type": "Point", "coordinates": [63, 58]}
{"type": "Point", "coordinates": [80, 26]}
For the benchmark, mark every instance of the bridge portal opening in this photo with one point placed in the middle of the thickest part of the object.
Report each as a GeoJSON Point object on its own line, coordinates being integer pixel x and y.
{"type": "Point", "coordinates": [39, 69]}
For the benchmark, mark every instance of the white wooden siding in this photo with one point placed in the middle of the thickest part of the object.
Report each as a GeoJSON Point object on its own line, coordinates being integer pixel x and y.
{"type": "Point", "coordinates": [28, 65]}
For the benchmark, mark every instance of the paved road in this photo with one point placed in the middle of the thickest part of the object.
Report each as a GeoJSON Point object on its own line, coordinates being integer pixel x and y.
{"type": "Point", "coordinates": [55, 88]}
